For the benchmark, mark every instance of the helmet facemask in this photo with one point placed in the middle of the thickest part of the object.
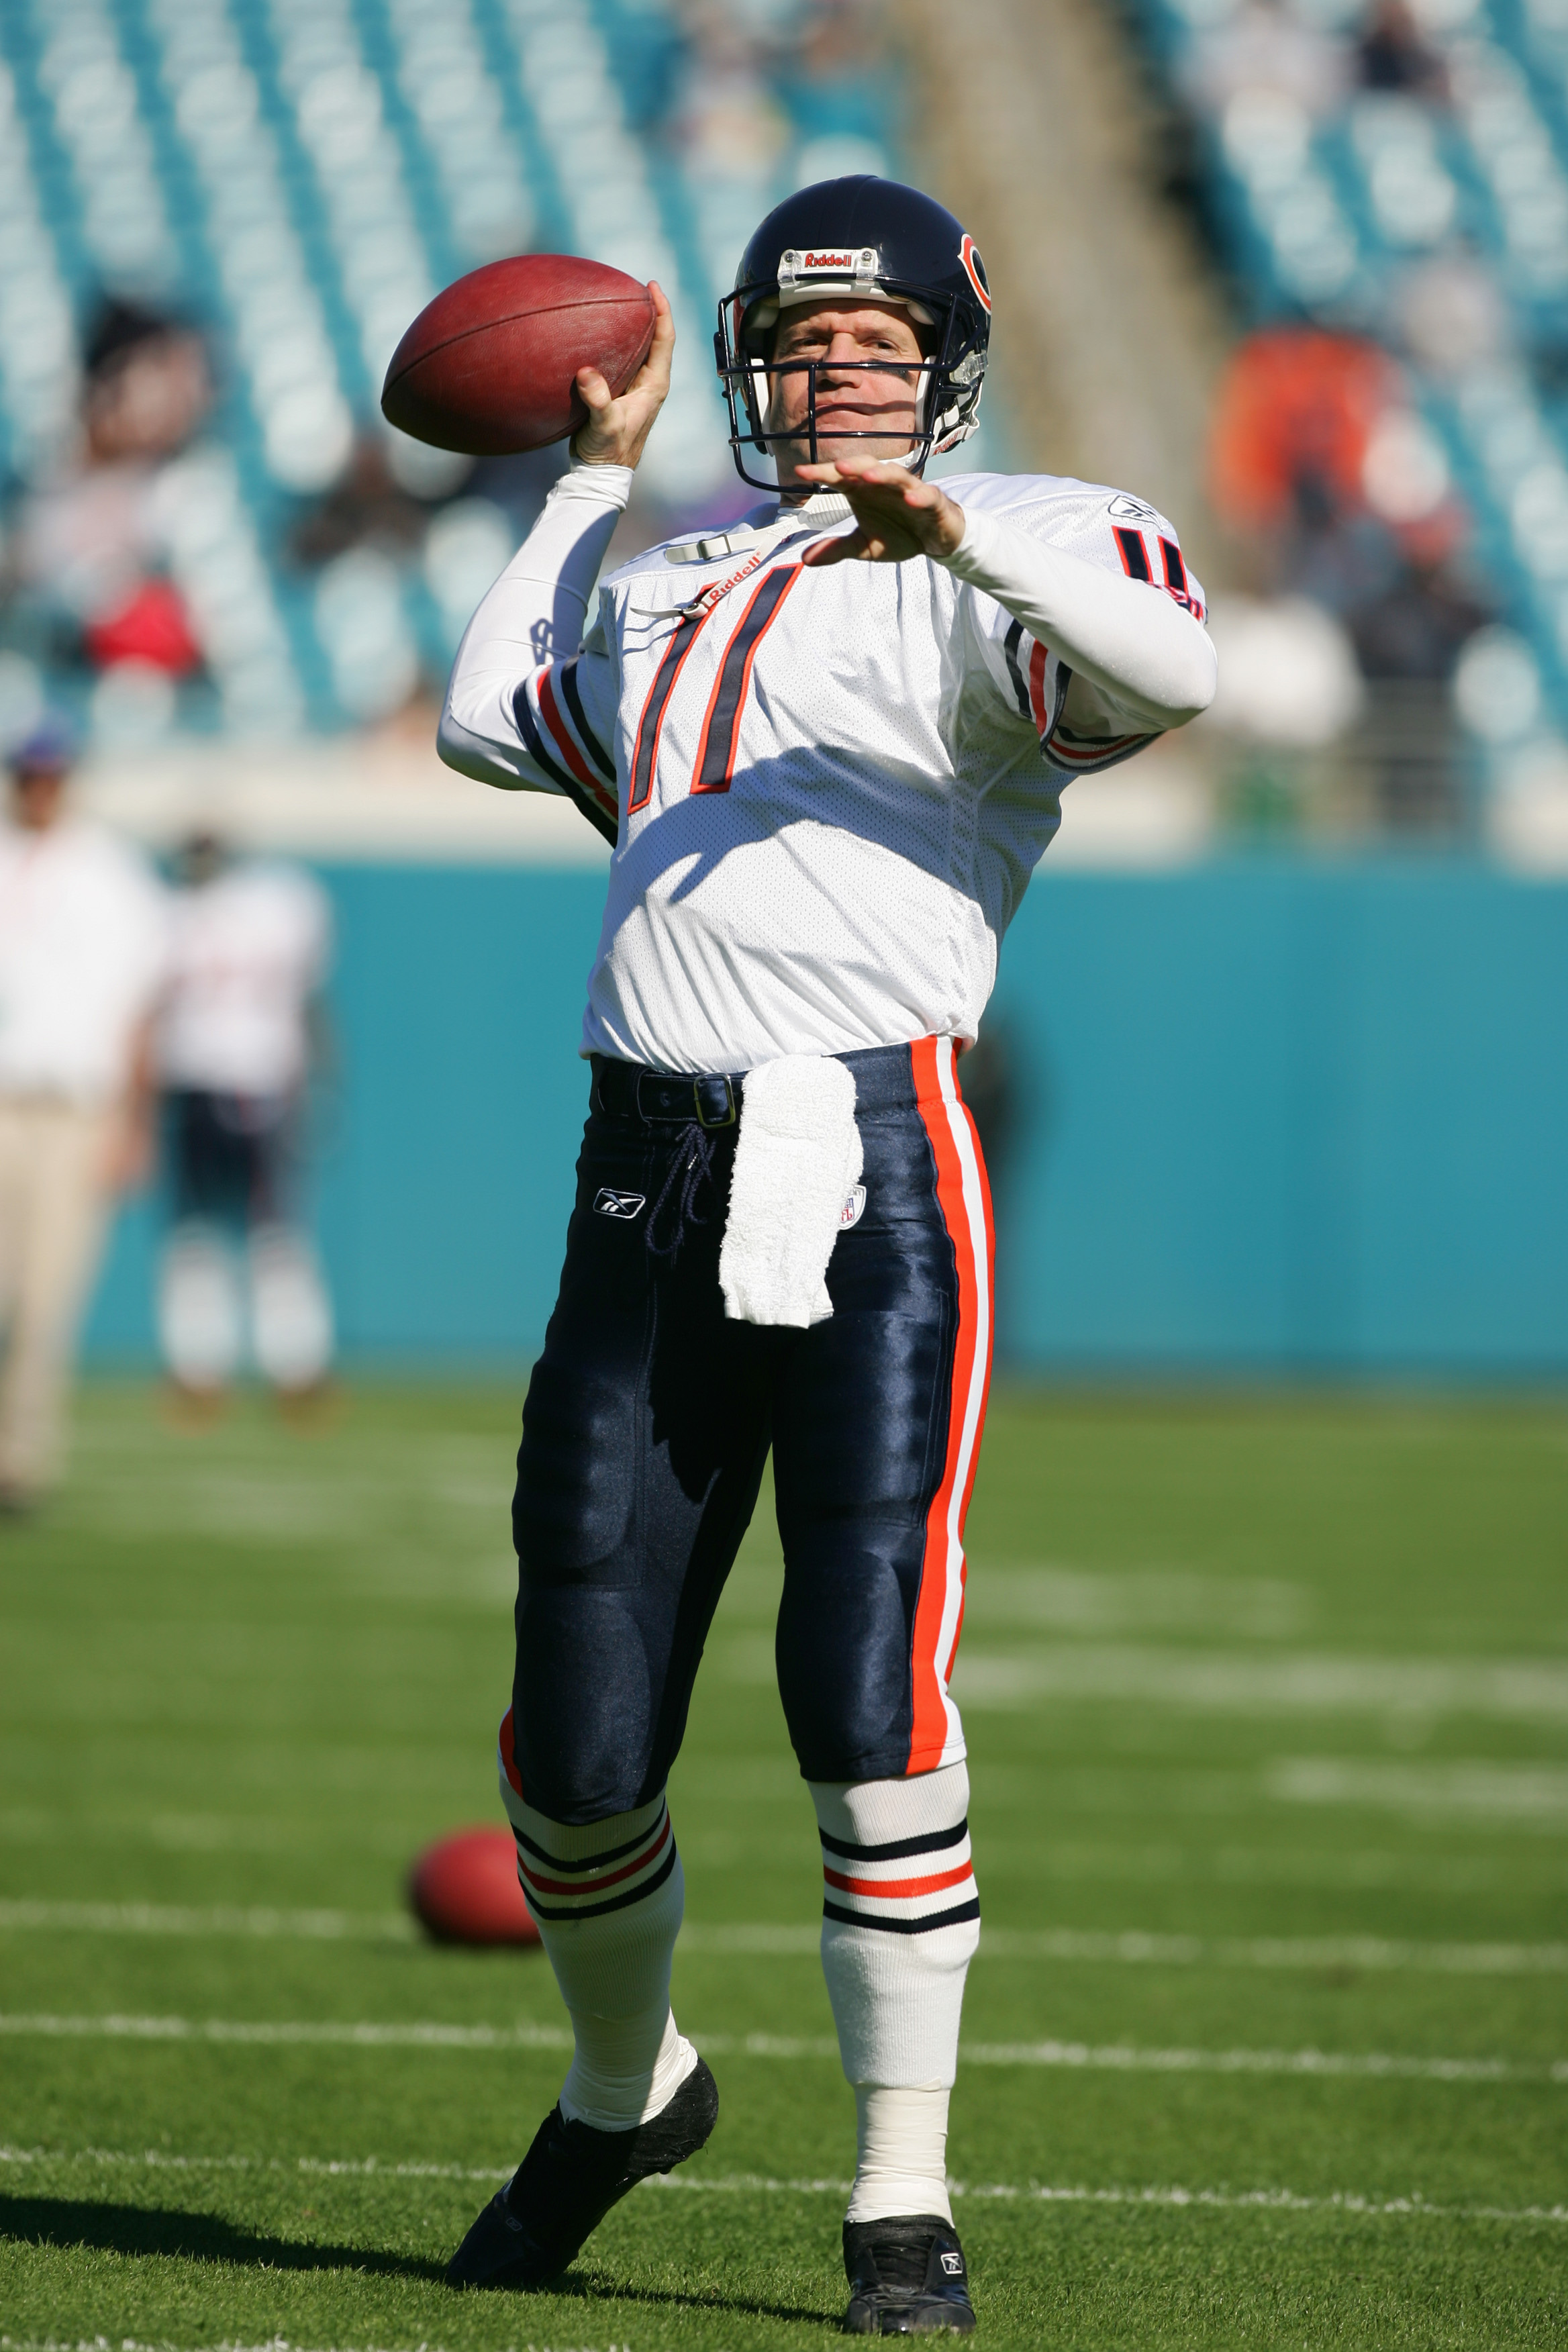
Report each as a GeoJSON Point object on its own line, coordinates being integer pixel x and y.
{"type": "Point", "coordinates": [946, 396]}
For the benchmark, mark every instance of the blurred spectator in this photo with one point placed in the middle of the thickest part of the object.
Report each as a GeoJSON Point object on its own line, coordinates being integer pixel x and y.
{"type": "Point", "coordinates": [831, 77]}
{"type": "Point", "coordinates": [727, 120]}
{"type": "Point", "coordinates": [1323, 462]}
{"type": "Point", "coordinates": [1289, 674]}
{"type": "Point", "coordinates": [89, 557]}
{"type": "Point", "coordinates": [1265, 47]}
{"type": "Point", "coordinates": [239, 1033]}
{"type": "Point", "coordinates": [1295, 410]}
{"type": "Point", "coordinates": [366, 506]}
{"type": "Point", "coordinates": [1418, 627]}
{"type": "Point", "coordinates": [1409, 641]}
{"type": "Point", "coordinates": [759, 72]}
{"type": "Point", "coordinates": [1451, 314]}
{"type": "Point", "coordinates": [1392, 54]}
{"type": "Point", "coordinates": [83, 952]}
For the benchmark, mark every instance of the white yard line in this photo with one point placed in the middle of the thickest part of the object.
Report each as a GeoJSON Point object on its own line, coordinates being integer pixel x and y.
{"type": "Point", "coordinates": [1119, 2057]}
{"type": "Point", "coordinates": [1229, 1682]}
{"type": "Point", "coordinates": [214, 1919]}
{"type": "Point", "coordinates": [1114, 2057]}
{"type": "Point", "coordinates": [1285, 2201]}
{"type": "Point", "coordinates": [273, 2344]}
{"type": "Point", "coordinates": [352, 2036]}
{"type": "Point", "coordinates": [1133, 1946]}
{"type": "Point", "coordinates": [1369, 1952]}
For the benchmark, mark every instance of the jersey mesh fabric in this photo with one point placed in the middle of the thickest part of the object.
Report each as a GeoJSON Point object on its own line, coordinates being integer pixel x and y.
{"type": "Point", "coordinates": [896, 751]}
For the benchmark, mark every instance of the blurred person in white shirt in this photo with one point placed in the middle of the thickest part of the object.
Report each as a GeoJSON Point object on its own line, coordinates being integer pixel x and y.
{"type": "Point", "coordinates": [238, 1039]}
{"type": "Point", "coordinates": [83, 939]}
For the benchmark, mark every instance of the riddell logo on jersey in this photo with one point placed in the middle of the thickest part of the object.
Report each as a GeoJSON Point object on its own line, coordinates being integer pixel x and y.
{"type": "Point", "coordinates": [719, 588]}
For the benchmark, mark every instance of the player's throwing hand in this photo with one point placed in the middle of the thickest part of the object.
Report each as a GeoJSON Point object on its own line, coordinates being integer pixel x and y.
{"type": "Point", "coordinates": [898, 515]}
{"type": "Point", "coordinates": [617, 430]}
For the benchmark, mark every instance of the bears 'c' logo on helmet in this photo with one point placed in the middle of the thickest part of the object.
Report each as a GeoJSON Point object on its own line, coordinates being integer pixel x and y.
{"type": "Point", "coordinates": [975, 268]}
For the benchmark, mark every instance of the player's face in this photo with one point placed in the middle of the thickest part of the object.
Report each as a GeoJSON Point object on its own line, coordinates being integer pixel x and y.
{"type": "Point", "coordinates": [37, 796]}
{"type": "Point", "coordinates": [857, 391]}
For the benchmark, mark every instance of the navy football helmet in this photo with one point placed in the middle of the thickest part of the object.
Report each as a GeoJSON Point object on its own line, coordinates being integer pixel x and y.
{"type": "Point", "coordinates": [868, 238]}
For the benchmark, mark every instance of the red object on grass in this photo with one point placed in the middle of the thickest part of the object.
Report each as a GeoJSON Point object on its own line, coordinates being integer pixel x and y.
{"type": "Point", "coordinates": [150, 626]}
{"type": "Point", "coordinates": [488, 366]}
{"type": "Point", "coordinates": [464, 1890]}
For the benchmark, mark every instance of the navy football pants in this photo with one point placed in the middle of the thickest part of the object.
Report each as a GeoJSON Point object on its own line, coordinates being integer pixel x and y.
{"type": "Point", "coordinates": [649, 1420]}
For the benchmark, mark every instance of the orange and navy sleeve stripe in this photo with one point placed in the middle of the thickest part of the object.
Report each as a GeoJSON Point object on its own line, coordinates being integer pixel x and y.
{"type": "Point", "coordinates": [557, 737]}
{"type": "Point", "coordinates": [1060, 745]}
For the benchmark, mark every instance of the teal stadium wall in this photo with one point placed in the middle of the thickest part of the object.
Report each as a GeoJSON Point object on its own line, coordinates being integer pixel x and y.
{"type": "Point", "coordinates": [1279, 1119]}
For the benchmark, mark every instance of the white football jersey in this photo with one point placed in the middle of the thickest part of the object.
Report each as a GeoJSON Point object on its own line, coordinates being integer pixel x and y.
{"type": "Point", "coordinates": [83, 951]}
{"type": "Point", "coordinates": [249, 949]}
{"type": "Point", "coordinates": [829, 786]}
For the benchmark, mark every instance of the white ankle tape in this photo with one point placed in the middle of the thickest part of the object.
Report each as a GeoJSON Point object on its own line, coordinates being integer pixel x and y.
{"type": "Point", "coordinates": [610, 2083]}
{"type": "Point", "coordinates": [901, 2158]}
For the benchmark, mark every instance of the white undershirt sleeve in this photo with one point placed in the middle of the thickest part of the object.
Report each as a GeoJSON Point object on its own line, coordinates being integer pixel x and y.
{"type": "Point", "coordinates": [534, 613]}
{"type": "Point", "coordinates": [1126, 637]}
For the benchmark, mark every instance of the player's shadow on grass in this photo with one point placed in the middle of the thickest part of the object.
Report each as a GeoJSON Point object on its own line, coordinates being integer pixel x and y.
{"type": "Point", "coordinates": [199, 2237]}
{"type": "Point", "coordinates": [70, 2222]}
{"type": "Point", "coordinates": [599, 2287]}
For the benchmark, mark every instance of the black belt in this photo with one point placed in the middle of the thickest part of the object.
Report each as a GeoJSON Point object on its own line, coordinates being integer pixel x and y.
{"type": "Point", "coordinates": [706, 1099]}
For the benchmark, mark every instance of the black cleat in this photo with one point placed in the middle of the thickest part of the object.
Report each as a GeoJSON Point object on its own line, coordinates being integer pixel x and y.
{"type": "Point", "coordinates": [567, 2183]}
{"type": "Point", "coordinates": [907, 2277]}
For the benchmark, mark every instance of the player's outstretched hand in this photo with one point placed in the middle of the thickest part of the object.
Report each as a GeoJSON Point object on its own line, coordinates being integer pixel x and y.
{"type": "Point", "coordinates": [617, 430]}
{"type": "Point", "coordinates": [898, 515]}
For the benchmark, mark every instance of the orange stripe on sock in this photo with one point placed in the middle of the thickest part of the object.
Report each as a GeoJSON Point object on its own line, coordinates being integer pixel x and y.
{"type": "Point", "coordinates": [899, 1889]}
{"type": "Point", "coordinates": [590, 1885]}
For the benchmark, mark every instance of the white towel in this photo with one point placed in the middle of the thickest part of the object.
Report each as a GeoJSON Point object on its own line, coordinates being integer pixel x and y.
{"type": "Point", "coordinates": [797, 1159]}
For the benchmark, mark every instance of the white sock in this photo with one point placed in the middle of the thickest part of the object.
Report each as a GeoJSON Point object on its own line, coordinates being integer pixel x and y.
{"type": "Point", "coordinates": [291, 1314]}
{"type": "Point", "coordinates": [608, 1900]}
{"type": "Point", "coordinates": [900, 1925]}
{"type": "Point", "coordinates": [199, 1307]}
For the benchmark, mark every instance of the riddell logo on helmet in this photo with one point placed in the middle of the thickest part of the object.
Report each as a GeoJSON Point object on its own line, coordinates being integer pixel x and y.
{"type": "Point", "coordinates": [828, 261]}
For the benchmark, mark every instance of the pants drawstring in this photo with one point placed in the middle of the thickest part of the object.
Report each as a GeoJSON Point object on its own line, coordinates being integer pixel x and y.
{"type": "Point", "coordinates": [690, 1169]}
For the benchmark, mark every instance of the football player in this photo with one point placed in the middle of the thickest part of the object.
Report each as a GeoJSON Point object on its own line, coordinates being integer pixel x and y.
{"type": "Point", "coordinates": [829, 745]}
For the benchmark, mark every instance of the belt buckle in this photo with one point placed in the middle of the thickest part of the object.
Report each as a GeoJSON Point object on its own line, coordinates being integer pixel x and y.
{"type": "Point", "coordinates": [702, 1118]}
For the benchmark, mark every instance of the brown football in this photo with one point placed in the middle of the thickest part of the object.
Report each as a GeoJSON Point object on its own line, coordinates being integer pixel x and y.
{"type": "Point", "coordinates": [464, 1890]}
{"type": "Point", "coordinates": [488, 366]}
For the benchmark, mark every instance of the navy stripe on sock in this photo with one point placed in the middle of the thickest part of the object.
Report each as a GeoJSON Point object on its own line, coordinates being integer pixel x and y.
{"type": "Point", "coordinates": [616, 1902]}
{"type": "Point", "coordinates": [970, 1910]}
{"type": "Point", "coordinates": [595, 1861]}
{"type": "Point", "coordinates": [937, 1842]}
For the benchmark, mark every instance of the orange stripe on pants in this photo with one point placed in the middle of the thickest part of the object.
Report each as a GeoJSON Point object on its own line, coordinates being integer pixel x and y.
{"type": "Point", "coordinates": [966, 1213]}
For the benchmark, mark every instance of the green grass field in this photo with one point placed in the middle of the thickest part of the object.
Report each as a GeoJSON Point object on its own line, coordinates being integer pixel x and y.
{"type": "Point", "coordinates": [1265, 2045]}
